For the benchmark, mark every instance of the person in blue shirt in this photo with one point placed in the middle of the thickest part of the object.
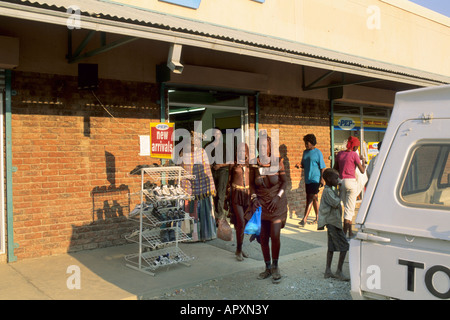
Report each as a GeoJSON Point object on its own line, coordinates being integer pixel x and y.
{"type": "Point", "coordinates": [313, 166]}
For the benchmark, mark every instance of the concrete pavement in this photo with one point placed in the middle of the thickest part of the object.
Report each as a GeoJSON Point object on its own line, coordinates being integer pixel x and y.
{"type": "Point", "coordinates": [103, 274]}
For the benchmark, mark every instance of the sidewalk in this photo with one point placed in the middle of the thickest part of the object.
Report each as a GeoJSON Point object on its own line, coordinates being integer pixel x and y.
{"type": "Point", "coordinates": [105, 276]}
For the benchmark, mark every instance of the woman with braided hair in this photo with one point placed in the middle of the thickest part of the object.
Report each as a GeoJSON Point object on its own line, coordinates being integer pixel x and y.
{"type": "Point", "coordinates": [238, 191]}
{"type": "Point", "coordinates": [268, 183]}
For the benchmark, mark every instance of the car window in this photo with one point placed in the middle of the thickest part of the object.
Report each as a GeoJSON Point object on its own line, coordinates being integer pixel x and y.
{"type": "Point", "coordinates": [426, 182]}
{"type": "Point", "coordinates": [445, 176]}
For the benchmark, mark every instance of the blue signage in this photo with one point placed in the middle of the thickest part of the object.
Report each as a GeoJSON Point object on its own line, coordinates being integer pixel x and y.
{"type": "Point", "coordinates": [346, 123]}
{"type": "Point", "coordinates": [193, 4]}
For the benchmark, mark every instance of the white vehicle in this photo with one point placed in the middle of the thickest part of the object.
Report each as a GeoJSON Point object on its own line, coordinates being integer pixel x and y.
{"type": "Point", "coordinates": [402, 248]}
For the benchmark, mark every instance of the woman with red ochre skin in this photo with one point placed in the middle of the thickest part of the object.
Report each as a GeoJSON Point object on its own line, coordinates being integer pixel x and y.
{"type": "Point", "coordinates": [239, 191]}
{"type": "Point", "coordinates": [268, 183]}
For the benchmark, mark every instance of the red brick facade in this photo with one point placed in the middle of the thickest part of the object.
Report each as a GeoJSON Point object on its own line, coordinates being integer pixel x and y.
{"type": "Point", "coordinates": [73, 161]}
{"type": "Point", "coordinates": [73, 156]}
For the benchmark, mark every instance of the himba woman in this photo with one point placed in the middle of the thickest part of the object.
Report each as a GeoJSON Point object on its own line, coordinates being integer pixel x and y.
{"type": "Point", "coordinates": [238, 191]}
{"type": "Point", "coordinates": [268, 183]}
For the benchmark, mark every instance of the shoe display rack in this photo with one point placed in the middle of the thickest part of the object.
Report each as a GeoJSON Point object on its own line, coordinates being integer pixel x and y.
{"type": "Point", "coordinates": [159, 216]}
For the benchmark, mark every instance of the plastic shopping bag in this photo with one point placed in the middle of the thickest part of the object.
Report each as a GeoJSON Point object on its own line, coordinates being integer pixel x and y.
{"type": "Point", "coordinates": [254, 224]}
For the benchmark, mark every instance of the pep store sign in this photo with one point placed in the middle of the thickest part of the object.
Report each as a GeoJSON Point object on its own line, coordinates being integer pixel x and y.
{"type": "Point", "coordinates": [193, 4]}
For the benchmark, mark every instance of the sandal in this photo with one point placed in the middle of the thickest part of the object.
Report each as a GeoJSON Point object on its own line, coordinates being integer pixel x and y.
{"type": "Point", "coordinates": [276, 275]}
{"type": "Point", "coordinates": [239, 256]}
{"type": "Point", "coordinates": [264, 275]}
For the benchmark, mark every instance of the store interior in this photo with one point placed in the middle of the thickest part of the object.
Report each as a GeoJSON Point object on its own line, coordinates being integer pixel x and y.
{"type": "Point", "coordinates": [215, 109]}
{"type": "Point", "coordinates": [367, 123]}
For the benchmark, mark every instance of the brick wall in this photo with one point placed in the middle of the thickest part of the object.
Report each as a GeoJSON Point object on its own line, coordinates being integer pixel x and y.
{"type": "Point", "coordinates": [73, 160]}
{"type": "Point", "coordinates": [294, 118]}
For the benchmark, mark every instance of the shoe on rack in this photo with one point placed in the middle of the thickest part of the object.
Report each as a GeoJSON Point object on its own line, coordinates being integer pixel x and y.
{"type": "Point", "coordinates": [172, 235]}
{"type": "Point", "coordinates": [165, 190]}
{"type": "Point", "coordinates": [170, 215]}
{"type": "Point", "coordinates": [163, 216]}
{"type": "Point", "coordinates": [173, 191]}
{"type": "Point", "coordinates": [179, 190]}
{"type": "Point", "coordinates": [156, 262]}
{"type": "Point", "coordinates": [147, 209]}
{"type": "Point", "coordinates": [157, 192]}
{"type": "Point", "coordinates": [159, 215]}
{"type": "Point", "coordinates": [134, 233]}
{"type": "Point", "coordinates": [164, 235]}
{"type": "Point", "coordinates": [135, 211]}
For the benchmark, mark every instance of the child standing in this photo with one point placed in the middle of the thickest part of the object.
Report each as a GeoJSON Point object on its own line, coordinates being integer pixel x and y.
{"type": "Point", "coordinates": [330, 215]}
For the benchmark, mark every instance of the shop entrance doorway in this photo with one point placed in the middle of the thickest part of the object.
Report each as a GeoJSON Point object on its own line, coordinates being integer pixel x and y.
{"type": "Point", "coordinates": [215, 109]}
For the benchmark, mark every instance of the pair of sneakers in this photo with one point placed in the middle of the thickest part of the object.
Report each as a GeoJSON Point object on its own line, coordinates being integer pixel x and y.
{"type": "Point", "coordinates": [159, 215]}
{"type": "Point", "coordinates": [167, 235]}
{"type": "Point", "coordinates": [175, 214]}
{"type": "Point", "coordinates": [162, 260]}
{"type": "Point", "coordinates": [168, 192]}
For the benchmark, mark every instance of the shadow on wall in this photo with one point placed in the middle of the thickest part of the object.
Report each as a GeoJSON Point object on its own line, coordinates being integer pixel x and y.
{"type": "Point", "coordinates": [296, 203]}
{"type": "Point", "coordinates": [110, 201]}
{"type": "Point", "coordinates": [110, 209]}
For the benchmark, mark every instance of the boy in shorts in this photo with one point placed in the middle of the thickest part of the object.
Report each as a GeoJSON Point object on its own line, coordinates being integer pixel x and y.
{"type": "Point", "coordinates": [330, 216]}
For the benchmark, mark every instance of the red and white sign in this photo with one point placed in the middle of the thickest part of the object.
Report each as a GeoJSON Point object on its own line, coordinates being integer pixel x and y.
{"type": "Point", "coordinates": [161, 142]}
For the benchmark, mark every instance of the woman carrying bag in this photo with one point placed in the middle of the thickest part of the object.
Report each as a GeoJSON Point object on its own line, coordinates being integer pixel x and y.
{"type": "Point", "coordinates": [268, 183]}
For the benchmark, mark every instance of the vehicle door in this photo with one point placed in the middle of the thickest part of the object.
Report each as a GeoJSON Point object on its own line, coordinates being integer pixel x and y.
{"type": "Point", "coordinates": [405, 236]}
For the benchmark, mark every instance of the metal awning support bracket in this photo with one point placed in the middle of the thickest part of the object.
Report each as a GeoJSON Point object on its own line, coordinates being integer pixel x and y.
{"type": "Point", "coordinates": [73, 57]}
{"type": "Point", "coordinates": [342, 83]}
